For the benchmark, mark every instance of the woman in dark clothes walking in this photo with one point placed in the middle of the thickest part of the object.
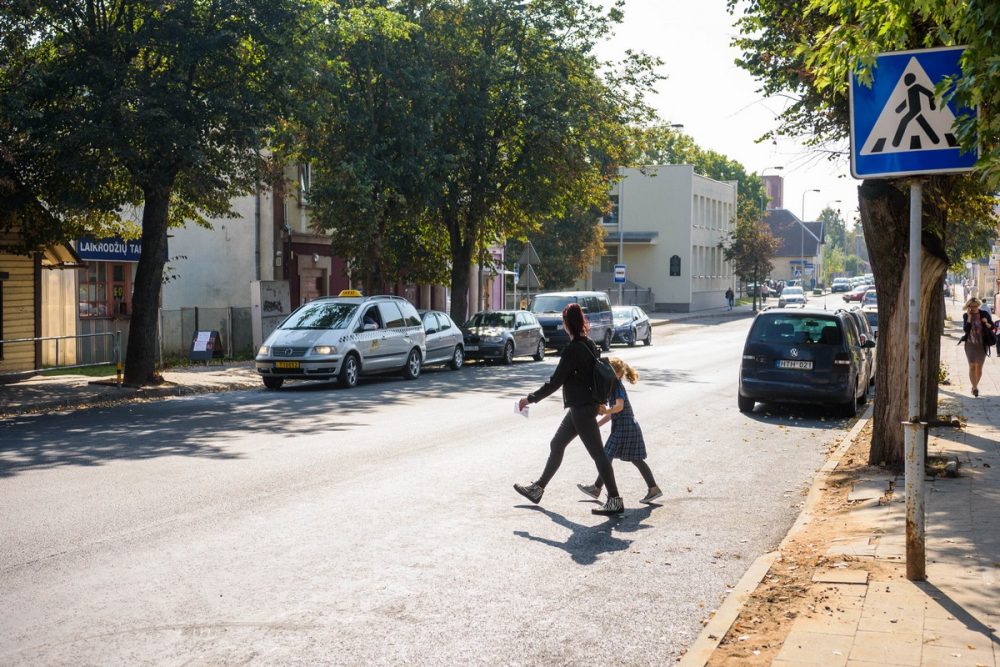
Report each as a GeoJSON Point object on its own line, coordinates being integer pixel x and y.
{"type": "Point", "coordinates": [574, 374]}
{"type": "Point", "coordinates": [975, 321]}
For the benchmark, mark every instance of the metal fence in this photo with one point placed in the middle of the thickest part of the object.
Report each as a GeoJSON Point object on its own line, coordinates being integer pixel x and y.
{"type": "Point", "coordinates": [632, 296]}
{"type": "Point", "coordinates": [179, 327]}
{"type": "Point", "coordinates": [102, 349]}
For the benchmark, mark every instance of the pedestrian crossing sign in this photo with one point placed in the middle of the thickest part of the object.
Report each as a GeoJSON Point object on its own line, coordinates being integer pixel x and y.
{"type": "Point", "coordinates": [899, 125]}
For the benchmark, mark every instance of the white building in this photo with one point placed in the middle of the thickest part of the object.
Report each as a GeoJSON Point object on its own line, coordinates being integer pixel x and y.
{"type": "Point", "coordinates": [666, 226]}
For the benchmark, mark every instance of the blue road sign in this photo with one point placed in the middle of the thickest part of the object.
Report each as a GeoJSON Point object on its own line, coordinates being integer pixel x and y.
{"type": "Point", "coordinates": [899, 127]}
{"type": "Point", "coordinates": [619, 273]}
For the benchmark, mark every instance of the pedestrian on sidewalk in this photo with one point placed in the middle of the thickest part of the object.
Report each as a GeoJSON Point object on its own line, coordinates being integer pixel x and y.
{"type": "Point", "coordinates": [729, 297]}
{"type": "Point", "coordinates": [625, 441]}
{"type": "Point", "coordinates": [574, 374]}
{"type": "Point", "coordinates": [978, 327]}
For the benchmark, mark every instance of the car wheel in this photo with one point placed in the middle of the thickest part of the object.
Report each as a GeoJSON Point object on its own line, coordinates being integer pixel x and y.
{"type": "Point", "coordinates": [411, 370]}
{"type": "Point", "coordinates": [745, 404]}
{"type": "Point", "coordinates": [508, 354]}
{"type": "Point", "coordinates": [540, 352]}
{"type": "Point", "coordinates": [457, 358]}
{"type": "Point", "coordinates": [273, 383]}
{"type": "Point", "coordinates": [349, 372]}
{"type": "Point", "coordinates": [864, 395]}
{"type": "Point", "coordinates": [850, 408]}
{"type": "Point", "coordinates": [649, 336]}
{"type": "Point", "coordinates": [632, 335]}
{"type": "Point", "coordinates": [606, 345]}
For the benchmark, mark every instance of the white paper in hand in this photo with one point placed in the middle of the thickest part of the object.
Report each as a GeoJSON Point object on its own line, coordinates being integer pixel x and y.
{"type": "Point", "coordinates": [519, 411]}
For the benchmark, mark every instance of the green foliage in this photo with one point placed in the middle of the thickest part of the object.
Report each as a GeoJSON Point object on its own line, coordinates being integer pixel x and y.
{"type": "Point", "coordinates": [568, 248]}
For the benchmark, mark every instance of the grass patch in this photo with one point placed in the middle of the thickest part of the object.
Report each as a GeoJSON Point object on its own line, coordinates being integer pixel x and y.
{"type": "Point", "coordinates": [89, 371]}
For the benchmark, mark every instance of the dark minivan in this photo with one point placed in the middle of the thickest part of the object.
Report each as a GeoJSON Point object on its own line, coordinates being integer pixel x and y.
{"type": "Point", "coordinates": [548, 309]}
{"type": "Point", "coordinates": [804, 356]}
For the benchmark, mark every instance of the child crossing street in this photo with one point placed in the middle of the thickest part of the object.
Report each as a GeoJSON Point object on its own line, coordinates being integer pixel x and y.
{"type": "Point", "coordinates": [625, 441]}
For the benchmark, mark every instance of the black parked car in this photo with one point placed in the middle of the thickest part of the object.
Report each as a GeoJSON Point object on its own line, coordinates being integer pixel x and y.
{"type": "Point", "coordinates": [503, 335]}
{"type": "Point", "coordinates": [804, 356]}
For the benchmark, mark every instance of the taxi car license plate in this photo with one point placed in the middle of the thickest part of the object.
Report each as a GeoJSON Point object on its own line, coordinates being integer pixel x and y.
{"type": "Point", "coordinates": [795, 364]}
{"type": "Point", "coordinates": [286, 364]}
{"type": "Point", "coordinates": [472, 348]}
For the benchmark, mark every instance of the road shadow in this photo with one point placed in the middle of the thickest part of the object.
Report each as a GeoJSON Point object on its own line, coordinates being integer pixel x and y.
{"type": "Point", "coordinates": [586, 543]}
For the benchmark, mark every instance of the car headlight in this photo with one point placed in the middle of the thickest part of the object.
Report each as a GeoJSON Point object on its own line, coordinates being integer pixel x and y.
{"type": "Point", "coordinates": [263, 351]}
{"type": "Point", "coordinates": [493, 339]}
{"type": "Point", "coordinates": [324, 350]}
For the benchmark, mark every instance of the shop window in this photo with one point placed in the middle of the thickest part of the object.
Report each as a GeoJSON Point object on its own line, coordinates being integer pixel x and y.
{"type": "Point", "coordinates": [106, 290]}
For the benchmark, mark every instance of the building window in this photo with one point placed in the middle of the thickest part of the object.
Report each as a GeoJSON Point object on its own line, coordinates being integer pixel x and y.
{"type": "Point", "coordinates": [675, 265]}
{"type": "Point", "coordinates": [106, 290]}
{"type": "Point", "coordinates": [608, 263]}
{"type": "Point", "coordinates": [612, 218]}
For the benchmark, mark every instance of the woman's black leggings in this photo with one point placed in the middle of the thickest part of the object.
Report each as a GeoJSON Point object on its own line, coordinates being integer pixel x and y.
{"type": "Point", "coordinates": [583, 422]}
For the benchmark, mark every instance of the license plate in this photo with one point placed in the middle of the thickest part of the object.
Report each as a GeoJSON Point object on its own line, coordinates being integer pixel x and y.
{"type": "Point", "coordinates": [472, 348]}
{"type": "Point", "coordinates": [795, 364]}
{"type": "Point", "coordinates": [286, 364]}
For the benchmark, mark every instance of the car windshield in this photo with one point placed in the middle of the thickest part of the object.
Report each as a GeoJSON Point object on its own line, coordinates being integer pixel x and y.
{"type": "Point", "coordinates": [321, 315]}
{"type": "Point", "coordinates": [550, 304]}
{"type": "Point", "coordinates": [792, 291]}
{"type": "Point", "coordinates": [796, 329]}
{"type": "Point", "coordinates": [505, 320]}
{"type": "Point", "coordinates": [872, 317]}
{"type": "Point", "coordinates": [622, 315]}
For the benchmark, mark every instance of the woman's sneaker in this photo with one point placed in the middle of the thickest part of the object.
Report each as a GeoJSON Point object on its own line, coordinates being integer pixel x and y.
{"type": "Point", "coordinates": [612, 506]}
{"type": "Point", "coordinates": [590, 490]}
{"type": "Point", "coordinates": [654, 493]}
{"type": "Point", "coordinates": [532, 491]}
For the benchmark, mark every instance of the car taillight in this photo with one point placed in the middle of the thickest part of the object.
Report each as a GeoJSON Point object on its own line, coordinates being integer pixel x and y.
{"type": "Point", "coordinates": [842, 362]}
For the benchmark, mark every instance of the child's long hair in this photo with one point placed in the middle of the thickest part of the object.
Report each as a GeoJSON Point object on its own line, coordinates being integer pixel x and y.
{"type": "Point", "coordinates": [622, 368]}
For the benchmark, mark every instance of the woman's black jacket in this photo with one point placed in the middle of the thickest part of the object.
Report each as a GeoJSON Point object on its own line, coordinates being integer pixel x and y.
{"type": "Point", "coordinates": [574, 374]}
{"type": "Point", "coordinates": [967, 326]}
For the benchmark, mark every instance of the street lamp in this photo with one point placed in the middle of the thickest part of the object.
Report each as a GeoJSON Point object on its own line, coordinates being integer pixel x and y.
{"type": "Point", "coordinates": [802, 243]}
{"type": "Point", "coordinates": [822, 236]}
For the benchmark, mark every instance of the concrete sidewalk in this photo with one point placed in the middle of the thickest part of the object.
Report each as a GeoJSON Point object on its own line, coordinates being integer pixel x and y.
{"type": "Point", "coordinates": [42, 394]}
{"type": "Point", "coordinates": [863, 611]}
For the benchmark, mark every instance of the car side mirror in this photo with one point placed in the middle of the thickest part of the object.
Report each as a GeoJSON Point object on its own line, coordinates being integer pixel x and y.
{"type": "Point", "coordinates": [868, 344]}
{"type": "Point", "coordinates": [371, 326]}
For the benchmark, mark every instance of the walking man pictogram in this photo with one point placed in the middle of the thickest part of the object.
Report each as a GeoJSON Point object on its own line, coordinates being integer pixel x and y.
{"type": "Point", "coordinates": [914, 110]}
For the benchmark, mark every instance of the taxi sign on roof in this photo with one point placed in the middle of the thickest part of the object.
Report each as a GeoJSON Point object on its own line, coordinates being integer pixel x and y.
{"type": "Point", "coordinates": [350, 292]}
{"type": "Point", "coordinates": [899, 126]}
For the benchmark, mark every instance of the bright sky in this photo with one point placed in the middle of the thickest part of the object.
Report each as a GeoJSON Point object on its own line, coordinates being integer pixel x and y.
{"type": "Point", "coordinates": [716, 101]}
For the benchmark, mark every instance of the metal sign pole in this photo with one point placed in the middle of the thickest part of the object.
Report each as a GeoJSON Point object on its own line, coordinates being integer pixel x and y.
{"type": "Point", "coordinates": [914, 429]}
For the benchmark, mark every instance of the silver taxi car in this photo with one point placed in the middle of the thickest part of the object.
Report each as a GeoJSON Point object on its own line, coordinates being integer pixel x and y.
{"type": "Point", "coordinates": [342, 338]}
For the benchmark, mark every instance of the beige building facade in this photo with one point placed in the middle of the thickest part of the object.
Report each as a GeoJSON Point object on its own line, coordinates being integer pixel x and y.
{"type": "Point", "coordinates": [668, 223]}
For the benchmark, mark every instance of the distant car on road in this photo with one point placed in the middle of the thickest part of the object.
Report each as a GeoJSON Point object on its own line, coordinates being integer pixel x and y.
{"type": "Point", "coordinates": [840, 285]}
{"type": "Point", "coordinates": [857, 293]}
{"type": "Point", "coordinates": [792, 297]}
{"type": "Point", "coordinates": [631, 325]}
{"type": "Point", "coordinates": [445, 341]}
{"type": "Point", "coordinates": [806, 356]}
{"type": "Point", "coordinates": [753, 289]}
{"type": "Point", "coordinates": [869, 298]}
{"type": "Point", "coordinates": [503, 335]}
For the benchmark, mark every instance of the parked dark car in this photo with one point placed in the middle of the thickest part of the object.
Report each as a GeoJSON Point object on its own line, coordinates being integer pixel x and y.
{"type": "Point", "coordinates": [753, 289]}
{"type": "Point", "coordinates": [631, 325]}
{"type": "Point", "coordinates": [804, 356]}
{"type": "Point", "coordinates": [548, 308]}
{"type": "Point", "coordinates": [445, 341]}
{"type": "Point", "coordinates": [503, 335]}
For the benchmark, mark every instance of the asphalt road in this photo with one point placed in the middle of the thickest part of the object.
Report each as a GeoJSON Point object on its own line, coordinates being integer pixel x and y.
{"type": "Point", "coordinates": [378, 526]}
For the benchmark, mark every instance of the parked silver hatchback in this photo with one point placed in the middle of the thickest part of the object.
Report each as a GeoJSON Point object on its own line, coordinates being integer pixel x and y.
{"type": "Point", "coordinates": [342, 338]}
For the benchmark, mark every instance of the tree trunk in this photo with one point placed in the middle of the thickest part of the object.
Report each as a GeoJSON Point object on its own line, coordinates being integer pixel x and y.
{"type": "Point", "coordinates": [140, 358]}
{"type": "Point", "coordinates": [885, 218]}
{"type": "Point", "coordinates": [461, 260]}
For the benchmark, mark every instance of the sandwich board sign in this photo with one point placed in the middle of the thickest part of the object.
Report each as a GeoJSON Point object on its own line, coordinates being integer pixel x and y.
{"type": "Point", "coordinates": [899, 126]}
